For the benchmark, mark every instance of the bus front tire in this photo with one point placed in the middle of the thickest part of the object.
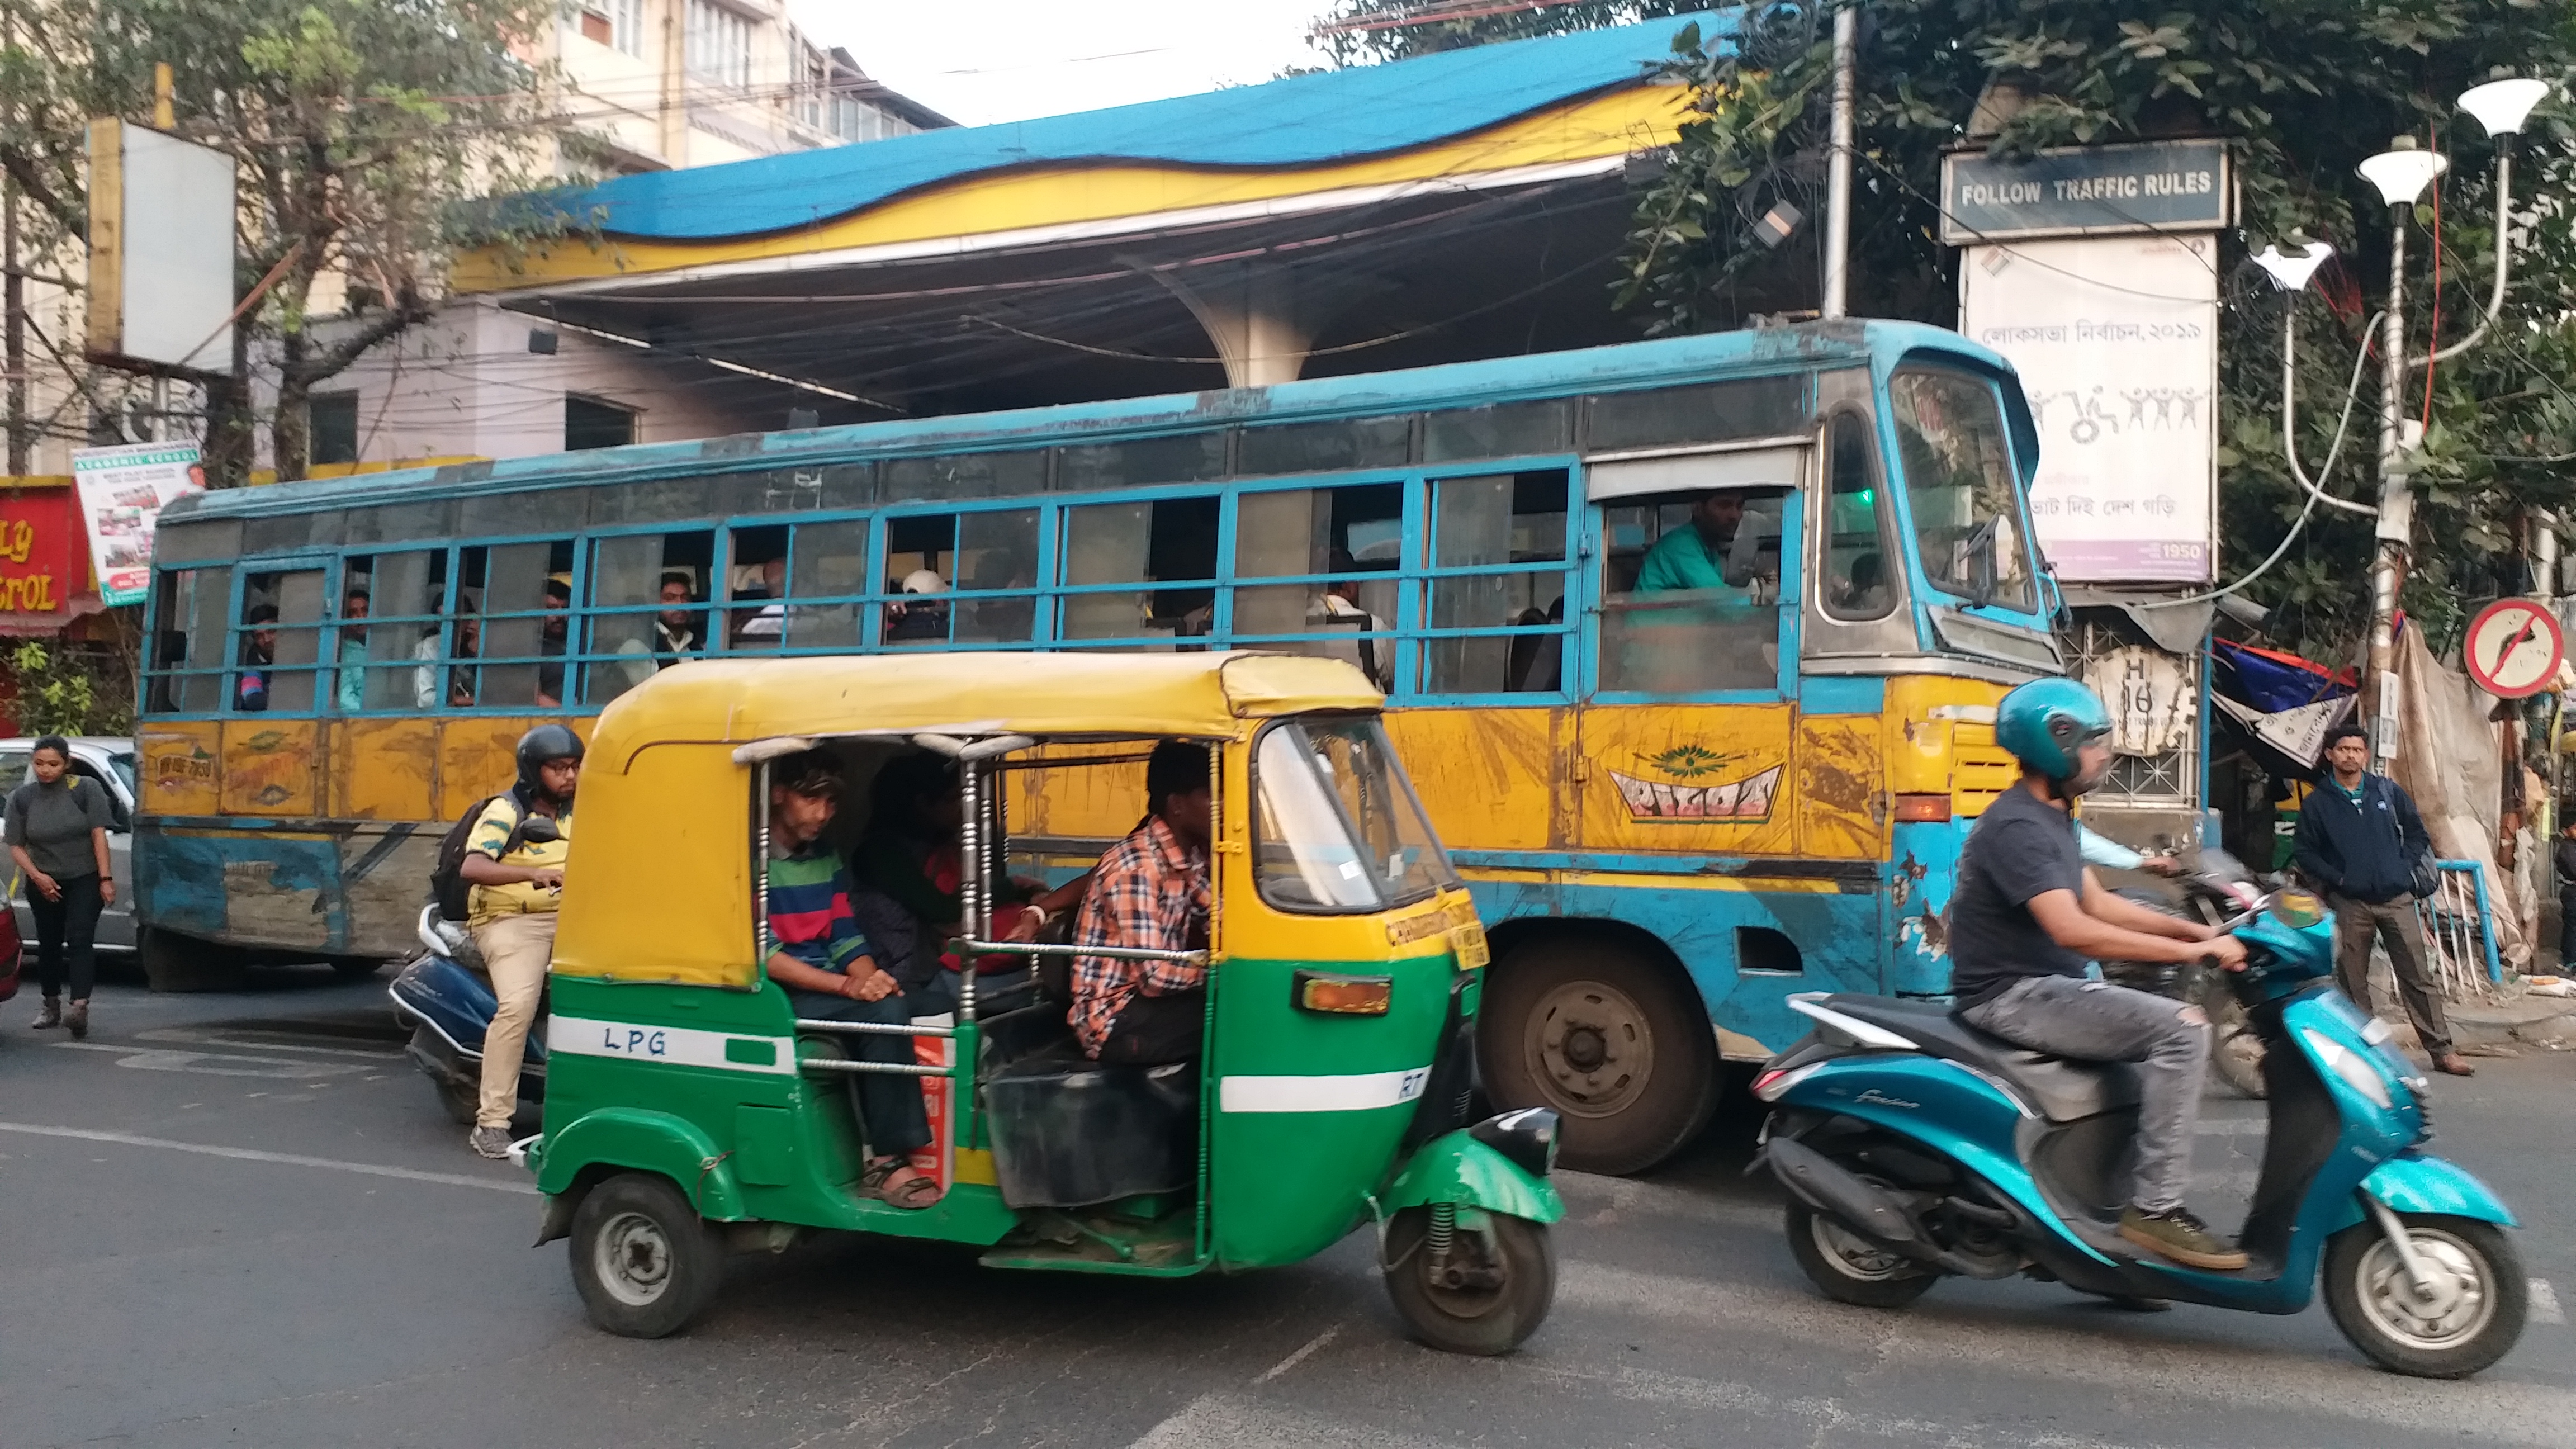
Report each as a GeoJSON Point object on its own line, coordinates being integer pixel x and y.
{"type": "Point", "coordinates": [1616, 1043]}
{"type": "Point", "coordinates": [1486, 1296]}
{"type": "Point", "coordinates": [643, 1260]}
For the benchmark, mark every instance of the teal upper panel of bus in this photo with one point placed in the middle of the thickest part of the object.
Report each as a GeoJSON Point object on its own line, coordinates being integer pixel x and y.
{"type": "Point", "coordinates": [1302, 120]}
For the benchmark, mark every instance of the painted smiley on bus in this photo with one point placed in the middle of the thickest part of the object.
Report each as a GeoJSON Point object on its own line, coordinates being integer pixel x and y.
{"type": "Point", "coordinates": [1741, 801]}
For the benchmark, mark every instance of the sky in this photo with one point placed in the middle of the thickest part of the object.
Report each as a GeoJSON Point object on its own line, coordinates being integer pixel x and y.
{"type": "Point", "coordinates": [980, 61]}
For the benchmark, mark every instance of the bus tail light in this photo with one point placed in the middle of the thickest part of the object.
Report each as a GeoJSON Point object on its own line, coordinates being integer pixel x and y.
{"type": "Point", "coordinates": [1922, 808]}
{"type": "Point", "coordinates": [1345, 995]}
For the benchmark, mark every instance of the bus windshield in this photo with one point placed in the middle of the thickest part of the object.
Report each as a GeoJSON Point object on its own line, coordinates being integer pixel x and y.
{"type": "Point", "coordinates": [1959, 482]}
{"type": "Point", "coordinates": [1337, 827]}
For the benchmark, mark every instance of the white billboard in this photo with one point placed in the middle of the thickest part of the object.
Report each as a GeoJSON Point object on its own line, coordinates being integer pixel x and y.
{"type": "Point", "coordinates": [122, 493]}
{"type": "Point", "coordinates": [2116, 339]}
{"type": "Point", "coordinates": [160, 249]}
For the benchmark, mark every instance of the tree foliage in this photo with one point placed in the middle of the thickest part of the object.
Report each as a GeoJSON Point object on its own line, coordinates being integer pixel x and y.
{"type": "Point", "coordinates": [2307, 88]}
{"type": "Point", "coordinates": [358, 126]}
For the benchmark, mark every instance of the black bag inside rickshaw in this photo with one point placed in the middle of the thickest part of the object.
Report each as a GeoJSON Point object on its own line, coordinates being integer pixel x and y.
{"type": "Point", "coordinates": [1069, 1132]}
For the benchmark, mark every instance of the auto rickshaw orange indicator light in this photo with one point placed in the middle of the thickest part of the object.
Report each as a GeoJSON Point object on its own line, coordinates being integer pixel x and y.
{"type": "Point", "coordinates": [1920, 808]}
{"type": "Point", "coordinates": [1345, 995]}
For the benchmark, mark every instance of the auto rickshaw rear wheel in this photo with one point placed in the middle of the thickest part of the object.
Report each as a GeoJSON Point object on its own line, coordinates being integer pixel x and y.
{"type": "Point", "coordinates": [1489, 1290]}
{"type": "Point", "coordinates": [643, 1260]}
{"type": "Point", "coordinates": [1616, 1043]}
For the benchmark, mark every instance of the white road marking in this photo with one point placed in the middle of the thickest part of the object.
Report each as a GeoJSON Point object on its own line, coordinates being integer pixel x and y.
{"type": "Point", "coordinates": [1223, 1421]}
{"type": "Point", "coordinates": [2544, 1303]}
{"type": "Point", "coordinates": [1325, 1337]}
{"type": "Point", "coordinates": [288, 1159]}
{"type": "Point", "coordinates": [209, 1064]}
{"type": "Point", "coordinates": [2145, 1363]}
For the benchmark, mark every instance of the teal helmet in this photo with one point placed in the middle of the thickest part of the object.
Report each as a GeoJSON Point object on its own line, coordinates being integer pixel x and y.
{"type": "Point", "coordinates": [2045, 723]}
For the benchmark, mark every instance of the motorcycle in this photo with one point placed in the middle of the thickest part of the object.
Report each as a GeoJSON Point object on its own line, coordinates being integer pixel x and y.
{"type": "Point", "coordinates": [442, 994]}
{"type": "Point", "coordinates": [2235, 1053]}
{"type": "Point", "coordinates": [1913, 1146]}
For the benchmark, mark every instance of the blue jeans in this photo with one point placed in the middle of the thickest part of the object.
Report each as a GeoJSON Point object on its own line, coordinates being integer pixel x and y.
{"type": "Point", "coordinates": [889, 1106]}
{"type": "Point", "coordinates": [2094, 1021]}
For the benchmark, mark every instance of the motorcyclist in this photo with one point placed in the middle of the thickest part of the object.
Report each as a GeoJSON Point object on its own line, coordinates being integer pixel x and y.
{"type": "Point", "coordinates": [518, 887]}
{"type": "Point", "coordinates": [2027, 916]}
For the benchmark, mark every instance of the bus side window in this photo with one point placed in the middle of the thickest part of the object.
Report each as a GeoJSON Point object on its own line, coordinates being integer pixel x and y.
{"type": "Point", "coordinates": [1166, 545]}
{"type": "Point", "coordinates": [995, 574]}
{"type": "Point", "coordinates": [827, 574]}
{"type": "Point", "coordinates": [641, 586]}
{"type": "Point", "coordinates": [1859, 582]}
{"type": "Point", "coordinates": [526, 624]}
{"type": "Point", "coordinates": [278, 642]}
{"type": "Point", "coordinates": [1341, 544]}
{"type": "Point", "coordinates": [400, 644]}
{"type": "Point", "coordinates": [188, 644]}
{"type": "Point", "coordinates": [1691, 591]}
{"type": "Point", "coordinates": [1496, 597]}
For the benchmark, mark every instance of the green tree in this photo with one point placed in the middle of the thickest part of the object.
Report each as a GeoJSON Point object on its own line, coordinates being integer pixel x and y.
{"type": "Point", "coordinates": [2306, 87]}
{"type": "Point", "coordinates": [361, 129]}
{"type": "Point", "coordinates": [61, 691]}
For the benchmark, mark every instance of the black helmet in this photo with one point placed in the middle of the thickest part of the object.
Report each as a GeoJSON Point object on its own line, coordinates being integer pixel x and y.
{"type": "Point", "coordinates": [545, 743]}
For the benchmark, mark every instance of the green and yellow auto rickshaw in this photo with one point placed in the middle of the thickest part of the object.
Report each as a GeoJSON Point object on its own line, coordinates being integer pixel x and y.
{"type": "Point", "coordinates": [689, 1114]}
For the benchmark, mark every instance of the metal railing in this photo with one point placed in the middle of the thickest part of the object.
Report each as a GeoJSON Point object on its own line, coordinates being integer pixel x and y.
{"type": "Point", "coordinates": [2459, 933]}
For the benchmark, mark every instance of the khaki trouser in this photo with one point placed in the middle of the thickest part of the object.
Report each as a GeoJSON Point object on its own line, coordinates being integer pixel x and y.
{"type": "Point", "coordinates": [516, 950]}
{"type": "Point", "coordinates": [2395, 925]}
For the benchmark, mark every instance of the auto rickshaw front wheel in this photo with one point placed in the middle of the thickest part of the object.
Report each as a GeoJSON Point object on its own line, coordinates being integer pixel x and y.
{"type": "Point", "coordinates": [1468, 1290]}
{"type": "Point", "coordinates": [643, 1260]}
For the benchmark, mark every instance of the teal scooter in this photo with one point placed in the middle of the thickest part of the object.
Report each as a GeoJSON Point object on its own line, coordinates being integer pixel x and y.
{"type": "Point", "coordinates": [1914, 1146]}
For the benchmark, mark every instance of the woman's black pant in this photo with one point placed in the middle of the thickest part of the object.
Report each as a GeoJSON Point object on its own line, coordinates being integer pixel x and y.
{"type": "Point", "coordinates": [67, 934]}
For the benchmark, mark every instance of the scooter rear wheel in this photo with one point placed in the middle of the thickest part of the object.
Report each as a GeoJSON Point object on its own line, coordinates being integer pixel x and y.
{"type": "Point", "coordinates": [2472, 1318]}
{"type": "Point", "coordinates": [1849, 1268]}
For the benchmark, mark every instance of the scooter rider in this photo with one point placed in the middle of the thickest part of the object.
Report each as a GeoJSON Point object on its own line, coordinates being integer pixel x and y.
{"type": "Point", "coordinates": [518, 888]}
{"type": "Point", "coordinates": [2028, 914]}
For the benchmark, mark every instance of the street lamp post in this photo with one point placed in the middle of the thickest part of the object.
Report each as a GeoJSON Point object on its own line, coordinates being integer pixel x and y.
{"type": "Point", "coordinates": [2401, 173]}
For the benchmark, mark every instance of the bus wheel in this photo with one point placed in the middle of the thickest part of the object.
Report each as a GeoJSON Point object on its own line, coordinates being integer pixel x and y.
{"type": "Point", "coordinates": [172, 962]}
{"type": "Point", "coordinates": [643, 1260]}
{"type": "Point", "coordinates": [1462, 1291]}
{"type": "Point", "coordinates": [1618, 1046]}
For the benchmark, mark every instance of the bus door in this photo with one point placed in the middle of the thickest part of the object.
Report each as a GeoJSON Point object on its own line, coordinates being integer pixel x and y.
{"type": "Point", "coordinates": [1691, 732]}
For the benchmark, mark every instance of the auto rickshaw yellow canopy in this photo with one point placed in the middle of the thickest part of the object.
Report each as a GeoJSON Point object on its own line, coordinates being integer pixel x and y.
{"type": "Point", "coordinates": [737, 701]}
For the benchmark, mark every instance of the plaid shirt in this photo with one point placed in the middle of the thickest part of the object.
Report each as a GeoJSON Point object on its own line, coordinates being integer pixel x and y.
{"type": "Point", "coordinates": [1145, 897]}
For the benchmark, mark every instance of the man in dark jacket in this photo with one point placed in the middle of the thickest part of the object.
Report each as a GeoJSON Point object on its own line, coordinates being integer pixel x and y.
{"type": "Point", "coordinates": [2567, 896]}
{"type": "Point", "coordinates": [2359, 837]}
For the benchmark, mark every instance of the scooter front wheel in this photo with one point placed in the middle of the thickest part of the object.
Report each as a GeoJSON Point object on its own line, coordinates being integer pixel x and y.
{"type": "Point", "coordinates": [2470, 1315]}
{"type": "Point", "coordinates": [1467, 1291]}
{"type": "Point", "coordinates": [1850, 1268]}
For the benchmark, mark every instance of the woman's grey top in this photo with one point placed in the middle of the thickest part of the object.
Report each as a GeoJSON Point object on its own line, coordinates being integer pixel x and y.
{"type": "Point", "coordinates": [54, 821]}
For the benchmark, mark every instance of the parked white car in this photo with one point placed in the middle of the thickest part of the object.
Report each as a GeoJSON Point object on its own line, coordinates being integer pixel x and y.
{"type": "Point", "coordinates": [110, 762]}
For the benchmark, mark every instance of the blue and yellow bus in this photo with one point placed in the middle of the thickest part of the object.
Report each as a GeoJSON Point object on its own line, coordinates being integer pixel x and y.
{"type": "Point", "coordinates": [1692, 646]}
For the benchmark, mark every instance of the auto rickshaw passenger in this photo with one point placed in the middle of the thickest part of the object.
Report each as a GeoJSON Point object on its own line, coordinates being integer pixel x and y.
{"type": "Point", "coordinates": [825, 965]}
{"type": "Point", "coordinates": [1150, 892]}
{"type": "Point", "coordinates": [908, 860]}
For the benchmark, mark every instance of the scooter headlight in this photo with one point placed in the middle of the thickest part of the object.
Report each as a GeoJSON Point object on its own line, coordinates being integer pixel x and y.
{"type": "Point", "coordinates": [2358, 1071]}
{"type": "Point", "coordinates": [2297, 910]}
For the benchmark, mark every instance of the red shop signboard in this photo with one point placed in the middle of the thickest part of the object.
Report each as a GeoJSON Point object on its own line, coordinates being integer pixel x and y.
{"type": "Point", "coordinates": [39, 550]}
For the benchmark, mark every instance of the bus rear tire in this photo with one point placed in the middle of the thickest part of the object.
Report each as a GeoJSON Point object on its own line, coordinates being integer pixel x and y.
{"type": "Point", "coordinates": [1616, 1043]}
{"type": "Point", "coordinates": [172, 962]}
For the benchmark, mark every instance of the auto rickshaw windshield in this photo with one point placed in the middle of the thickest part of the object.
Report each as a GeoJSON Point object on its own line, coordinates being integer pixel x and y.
{"type": "Point", "coordinates": [1336, 825]}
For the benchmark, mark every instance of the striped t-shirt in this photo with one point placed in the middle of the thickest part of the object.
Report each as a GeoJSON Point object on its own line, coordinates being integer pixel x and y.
{"type": "Point", "coordinates": [809, 910]}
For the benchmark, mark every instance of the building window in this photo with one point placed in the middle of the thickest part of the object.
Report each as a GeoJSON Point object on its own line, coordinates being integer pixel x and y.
{"type": "Point", "coordinates": [595, 27]}
{"type": "Point", "coordinates": [334, 427]}
{"type": "Point", "coordinates": [590, 422]}
{"type": "Point", "coordinates": [626, 25]}
{"type": "Point", "coordinates": [813, 84]}
{"type": "Point", "coordinates": [719, 45]}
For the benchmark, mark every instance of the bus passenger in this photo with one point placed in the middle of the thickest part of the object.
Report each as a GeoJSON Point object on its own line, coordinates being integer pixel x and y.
{"type": "Point", "coordinates": [1695, 557]}
{"type": "Point", "coordinates": [923, 613]}
{"type": "Point", "coordinates": [518, 888]}
{"type": "Point", "coordinates": [259, 652]}
{"type": "Point", "coordinates": [460, 680]}
{"type": "Point", "coordinates": [550, 643]}
{"type": "Point", "coordinates": [353, 652]}
{"type": "Point", "coordinates": [679, 631]}
{"type": "Point", "coordinates": [829, 971]}
{"type": "Point", "coordinates": [1339, 606]}
{"type": "Point", "coordinates": [1150, 893]}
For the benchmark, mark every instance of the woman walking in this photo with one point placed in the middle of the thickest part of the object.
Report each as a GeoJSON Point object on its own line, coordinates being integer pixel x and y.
{"type": "Point", "coordinates": [57, 833]}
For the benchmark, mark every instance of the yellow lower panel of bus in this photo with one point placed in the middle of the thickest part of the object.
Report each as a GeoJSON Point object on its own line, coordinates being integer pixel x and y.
{"type": "Point", "coordinates": [1712, 779]}
{"type": "Point", "coordinates": [1490, 777]}
{"type": "Point", "coordinates": [271, 767]}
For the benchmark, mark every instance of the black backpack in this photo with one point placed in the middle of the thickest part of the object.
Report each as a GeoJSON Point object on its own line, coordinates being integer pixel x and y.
{"type": "Point", "coordinates": [447, 884]}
